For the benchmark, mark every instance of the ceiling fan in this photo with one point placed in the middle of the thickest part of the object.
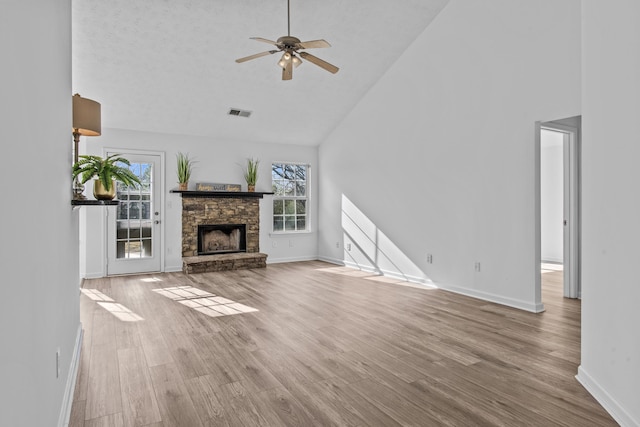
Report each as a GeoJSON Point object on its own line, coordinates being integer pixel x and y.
{"type": "Point", "coordinates": [290, 46]}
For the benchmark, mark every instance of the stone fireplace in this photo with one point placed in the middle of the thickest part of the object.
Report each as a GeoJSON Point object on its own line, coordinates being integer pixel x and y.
{"type": "Point", "coordinates": [220, 231]}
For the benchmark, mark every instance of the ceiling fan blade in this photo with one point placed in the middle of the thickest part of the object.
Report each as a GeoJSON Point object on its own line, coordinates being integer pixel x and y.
{"type": "Point", "coordinates": [313, 44]}
{"type": "Point", "coordinates": [319, 62]}
{"type": "Point", "coordinates": [260, 39]}
{"type": "Point", "coordinates": [257, 55]}
{"type": "Point", "coordinates": [287, 71]}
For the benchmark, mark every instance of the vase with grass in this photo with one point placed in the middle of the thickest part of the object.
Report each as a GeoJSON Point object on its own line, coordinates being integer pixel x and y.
{"type": "Point", "coordinates": [185, 166]}
{"type": "Point", "coordinates": [106, 172]}
{"type": "Point", "coordinates": [251, 174]}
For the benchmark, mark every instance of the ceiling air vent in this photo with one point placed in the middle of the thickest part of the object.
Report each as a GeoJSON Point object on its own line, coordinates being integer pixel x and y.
{"type": "Point", "coordinates": [238, 112]}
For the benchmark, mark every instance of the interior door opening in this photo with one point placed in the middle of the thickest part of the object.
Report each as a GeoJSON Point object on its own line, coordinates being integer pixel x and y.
{"type": "Point", "coordinates": [558, 205]}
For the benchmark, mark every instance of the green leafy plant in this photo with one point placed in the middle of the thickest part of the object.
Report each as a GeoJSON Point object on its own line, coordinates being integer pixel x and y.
{"type": "Point", "coordinates": [251, 172]}
{"type": "Point", "coordinates": [185, 165]}
{"type": "Point", "coordinates": [105, 169]}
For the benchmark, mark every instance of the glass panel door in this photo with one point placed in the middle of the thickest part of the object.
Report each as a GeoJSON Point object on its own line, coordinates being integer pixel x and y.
{"type": "Point", "coordinates": [133, 232]}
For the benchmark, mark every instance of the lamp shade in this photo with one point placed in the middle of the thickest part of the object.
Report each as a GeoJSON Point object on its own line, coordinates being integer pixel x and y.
{"type": "Point", "coordinates": [86, 116]}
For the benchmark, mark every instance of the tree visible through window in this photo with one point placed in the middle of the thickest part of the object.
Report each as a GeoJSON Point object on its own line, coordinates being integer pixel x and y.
{"type": "Point", "coordinates": [290, 200]}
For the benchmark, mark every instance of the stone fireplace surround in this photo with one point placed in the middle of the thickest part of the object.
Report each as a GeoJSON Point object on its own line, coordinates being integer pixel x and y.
{"type": "Point", "coordinates": [220, 208]}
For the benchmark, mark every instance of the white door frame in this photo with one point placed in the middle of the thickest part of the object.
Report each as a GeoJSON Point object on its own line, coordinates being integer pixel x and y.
{"type": "Point", "coordinates": [571, 208]}
{"type": "Point", "coordinates": [161, 202]}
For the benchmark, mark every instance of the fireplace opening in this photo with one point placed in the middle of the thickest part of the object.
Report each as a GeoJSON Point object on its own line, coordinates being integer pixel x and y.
{"type": "Point", "coordinates": [222, 238]}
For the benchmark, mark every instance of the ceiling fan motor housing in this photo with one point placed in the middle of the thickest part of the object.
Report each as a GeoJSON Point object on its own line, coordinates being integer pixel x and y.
{"type": "Point", "coordinates": [288, 42]}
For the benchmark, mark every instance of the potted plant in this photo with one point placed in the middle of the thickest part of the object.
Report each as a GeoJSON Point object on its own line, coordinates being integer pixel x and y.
{"type": "Point", "coordinates": [185, 165]}
{"type": "Point", "coordinates": [105, 171]}
{"type": "Point", "coordinates": [251, 174]}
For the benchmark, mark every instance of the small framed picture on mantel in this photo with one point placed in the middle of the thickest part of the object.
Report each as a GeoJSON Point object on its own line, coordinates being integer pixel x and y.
{"type": "Point", "coordinates": [210, 186]}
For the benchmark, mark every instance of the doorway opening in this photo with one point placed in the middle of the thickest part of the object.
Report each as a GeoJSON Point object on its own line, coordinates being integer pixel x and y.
{"type": "Point", "coordinates": [558, 206]}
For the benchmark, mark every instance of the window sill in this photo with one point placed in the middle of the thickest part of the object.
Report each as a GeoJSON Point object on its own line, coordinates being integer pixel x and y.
{"type": "Point", "coordinates": [289, 233]}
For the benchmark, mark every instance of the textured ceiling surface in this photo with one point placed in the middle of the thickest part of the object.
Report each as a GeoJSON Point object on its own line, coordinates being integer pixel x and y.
{"type": "Point", "coordinates": [169, 66]}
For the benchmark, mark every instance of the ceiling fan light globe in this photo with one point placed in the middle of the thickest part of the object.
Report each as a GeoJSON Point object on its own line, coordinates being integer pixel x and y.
{"type": "Point", "coordinates": [282, 63]}
{"type": "Point", "coordinates": [296, 61]}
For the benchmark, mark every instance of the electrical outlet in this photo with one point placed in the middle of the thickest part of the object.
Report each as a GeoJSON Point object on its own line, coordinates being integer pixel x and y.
{"type": "Point", "coordinates": [349, 247]}
{"type": "Point", "coordinates": [58, 363]}
{"type": "Point", "coordinates": [478, 267]}
{"type": "Point", "coordinates": [338, 245]}
{"type": "Point", "coordinates": [429, 259]}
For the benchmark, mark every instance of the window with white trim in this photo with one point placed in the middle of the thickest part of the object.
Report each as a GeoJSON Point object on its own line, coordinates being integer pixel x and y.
{"type": "Point", "coordinates": [289, 182]}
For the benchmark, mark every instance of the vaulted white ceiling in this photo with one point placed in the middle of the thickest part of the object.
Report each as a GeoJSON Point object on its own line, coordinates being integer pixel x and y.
{"type": "Point", "coordinates": [169, 65]}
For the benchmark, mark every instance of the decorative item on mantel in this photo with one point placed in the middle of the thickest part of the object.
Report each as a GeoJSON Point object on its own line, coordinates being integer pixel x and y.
{"type": "Point", "coordinates": [185, 166]}
{"type": "Point", "coordinates": [211, 186]}
{"type": "Point", "coordinates": [106, 172]}
{"type": "Point", "coordinates": [251, 174]}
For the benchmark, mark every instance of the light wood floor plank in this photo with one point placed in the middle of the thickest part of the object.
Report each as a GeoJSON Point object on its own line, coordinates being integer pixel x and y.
{"type": "Point", "coordinates": [328, 346]}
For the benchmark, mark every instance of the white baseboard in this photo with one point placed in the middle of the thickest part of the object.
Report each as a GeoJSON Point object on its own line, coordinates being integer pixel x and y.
{"type": "Point", "coordinates": [95, 275]}
{"type": "Point", "coordinates": [294, 259]}
{"type": "Point", "coordinates": [67, 400]}
{"type": "Point", "coordinates": [331, 260]}
{"type": "Point", "coordinates": [486, 296]}
{"type": "Point", "coordinates": [608, 403]}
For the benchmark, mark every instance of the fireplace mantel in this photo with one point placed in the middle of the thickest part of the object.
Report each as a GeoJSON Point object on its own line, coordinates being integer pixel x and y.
{"type": "Point", "coordinates": [219, 194]}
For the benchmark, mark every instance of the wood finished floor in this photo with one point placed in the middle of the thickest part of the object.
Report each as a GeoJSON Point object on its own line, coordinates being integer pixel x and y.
{"type": "Point", "coordinates": [328, 346]}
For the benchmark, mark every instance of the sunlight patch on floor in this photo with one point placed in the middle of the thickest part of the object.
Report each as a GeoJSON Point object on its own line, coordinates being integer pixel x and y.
{"type": "Point", "coordinates": [352, 272]}
{"type": "Point", "coordinates": [203, 301]}
{"type": "Point", "coordinates": [106, 302]}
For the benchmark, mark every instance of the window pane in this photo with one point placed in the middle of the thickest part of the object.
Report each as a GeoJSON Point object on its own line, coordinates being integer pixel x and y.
{"type": "Point", "coordinates": [134, 210]}
{"type": "Point", "coordinates": [146, 227]}
{"type": "Point", "coordinates": [290, 207]}
{"type": "Point", "coordinates": [289, 172]}
{"type": "Point", "coordinates": [134, 232]}
{"type": "Point", "coordinates": [289, 189]}
{"type": "Point", "coordinates": [278, 223]}
{"type": "Point", "coordinates": [146, 248]}
{"type": "Point", "coordinates": [301, 207]}
{"type": "Point", "coordinates": [301, 188]}
{"type": "Point", "coordinates": [123, 211]}
{"type": "Point", "coordinates": [301, 172]}
{"type": "Point", "coordinates": [278, 207]}
{"type": "Point", "coordinates": [301, 223]}
{"type": "Point", "coordinates": [278, 187]}
{"type": "Point", "coordinates": [276, 172]}
{"type": "Point", "coordinates": [146, 210]}
{"type": "Point", "coordinates": [133, 249]}
{"type": "Point", "coordinates": [290, 223]}
{"type": "Point", "coordinates": [122, 230]}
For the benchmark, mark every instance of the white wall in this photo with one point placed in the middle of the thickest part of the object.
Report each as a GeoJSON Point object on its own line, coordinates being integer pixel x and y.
{"type": "Point", "coordinates": [217, 161]}
{"type": "Point", "coordinates": [610, 366]}
{"type": "Point", "coordinates": [551, 192]}
{"type": "Point", "coordinates": [439, 155]}
{"type": "Point", "coordinates": [39, 308]}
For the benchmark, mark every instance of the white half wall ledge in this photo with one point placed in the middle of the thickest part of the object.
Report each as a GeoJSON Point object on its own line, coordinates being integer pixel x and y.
{"type": "Point", "coordinates": [608, 403]}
